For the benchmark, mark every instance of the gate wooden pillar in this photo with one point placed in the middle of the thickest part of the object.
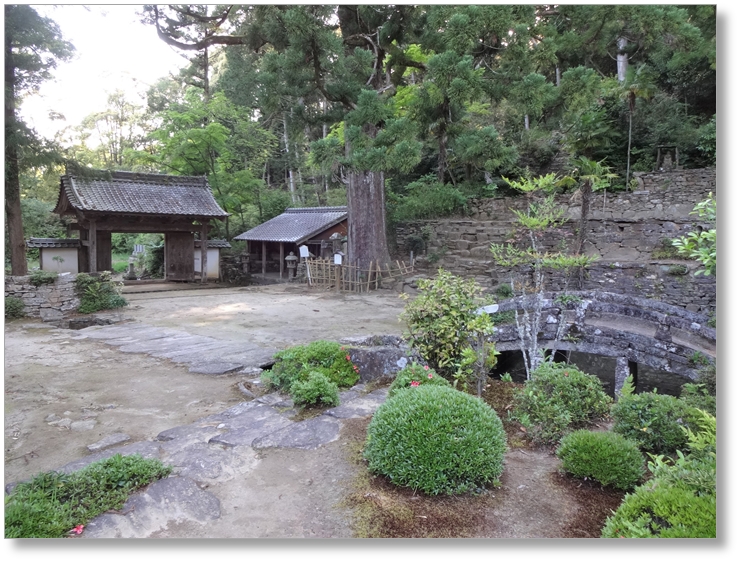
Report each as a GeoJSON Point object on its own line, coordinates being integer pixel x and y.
{"type": "Point", "coordinates": [204, 252]}
{"type": "Point", "coordinates": [92, 246]}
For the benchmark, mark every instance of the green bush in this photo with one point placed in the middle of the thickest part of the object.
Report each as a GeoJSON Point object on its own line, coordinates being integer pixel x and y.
{"type": "Point", "coordinates": [426, 198]}
{"type": "Point", "coordinates": [14, 307]}
{"type": "Point", "coordinates": [415, 375]}
{"type": "Point", "coordinates": [655, 421]}
{"type": "Point", "coordinates": [98, 292]}
{"type": "Point", "coordinates": [558, 399]}
{"type": "Point", "coordinates": [680, 501]}
{"type": "Point", "coordinates": [607, 457]}
{"type": "Point", "coordinates": [316, 389]}
{"type": "Point", "coordinates": [41, 277]}
{"type": "Point", "coordinates": [437, 440]}
{"type": "Point", "coordinates": [295, 363]}
{"type": "Point", "coordinates": [697, 396]}
{"type": "Point", "coordinates": [53, 503]}
{"type": "Point", "coordinates": [444, 326]}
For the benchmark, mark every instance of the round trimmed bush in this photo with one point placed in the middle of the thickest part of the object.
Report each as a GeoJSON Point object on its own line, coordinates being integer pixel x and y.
{"type": "Point", "coordinates": [316, 389]}
{"type": "Point", "coordinates": [295, 363]}
{"type": "Point", "coordinates": [415, 373]}
{"type": "Point", "coordinates": [558, 399]}
{"type": "Point", "coordinates": [437, 440]}
{"type": "Point", "coordinates": [607, 457]}
{"type": "Point", "coordinates": [654, 421]}
{"type": "Point", "coordinates": [14, 308]}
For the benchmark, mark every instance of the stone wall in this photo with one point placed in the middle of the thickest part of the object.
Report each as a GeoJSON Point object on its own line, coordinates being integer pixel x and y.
{"type": "Point", "coordinates": [629, 232]}
{"type": "Point", "coordinates": [48, 302]}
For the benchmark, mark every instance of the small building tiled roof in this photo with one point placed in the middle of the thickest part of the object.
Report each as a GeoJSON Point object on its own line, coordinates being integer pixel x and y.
{"type": "Point", "coordinates": [296, 225]}
{"type": "Point", "coordinates": [53, 243]}
{"type": "Point", "coordinates": [135, 193]}
{"type": "Point", "coordinates": [215, 244]}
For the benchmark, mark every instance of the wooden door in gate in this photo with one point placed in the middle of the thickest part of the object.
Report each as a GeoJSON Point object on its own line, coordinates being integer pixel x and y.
{"type": "Point", "coordinates": [178, 256]}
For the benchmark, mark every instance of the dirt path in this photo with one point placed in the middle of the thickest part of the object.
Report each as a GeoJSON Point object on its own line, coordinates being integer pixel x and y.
{"type": "Point", "coordinates": [63, 393]}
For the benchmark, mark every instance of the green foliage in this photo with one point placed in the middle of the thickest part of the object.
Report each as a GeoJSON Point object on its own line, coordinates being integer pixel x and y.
{"type": "Point", "coordinates": [702, 245]}
{"type": "Point", "coordinates": [98, 292]}
{"type": "Point", "coordinates": [697, 396]}
{"type": "Point", "coordinates": [426, 198]}
{"type": "Point", "coordinates": [296, 363]}
{"type": "Point", "coordinates": [436, 440]}
{"type": "Point", "coordinates": [666, 251]}
{"type": "Point", "coordinates": [655, 421]}
{"type": "Point", "coordinates": [558, 399]}
{"type": "Point", "coordinates": [607, 457]}
{"type": "Point", "coordinates": [707, 144]}
{"type": "Point", "coordinates": [444, 327]}
{"type": "Point", "coordinates": [680, 500]}
{"type": "Point", "coordinates": [14, 307]}
{"type": "Point", "coordinates": [53, 503]}
{"type": "Point", "coordinates": [504, 291]}
{"type": "Point", "coordinates": [415, 375]}
{"type": "Point", "coordinates": [315, 389]}
{"type": "Point", "coordinates": [41, 277]}
{"type": "Point", "coordinates": [155, 261]}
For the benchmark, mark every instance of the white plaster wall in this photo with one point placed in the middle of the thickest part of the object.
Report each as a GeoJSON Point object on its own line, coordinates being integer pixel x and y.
{"type": "Point", "coordinates": [69, 255]}
{"type": "Point", "coordinates": [212, 263]}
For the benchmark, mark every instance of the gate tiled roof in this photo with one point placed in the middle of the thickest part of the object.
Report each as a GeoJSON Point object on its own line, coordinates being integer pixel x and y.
{"type": "Point", "coordinates": [296, 225]}
{"type": "Point", "coordinates": [135, 193]}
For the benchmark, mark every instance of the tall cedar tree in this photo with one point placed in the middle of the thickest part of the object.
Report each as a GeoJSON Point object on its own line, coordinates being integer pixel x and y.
{"type": "Point", "coordinates": [33, 47]}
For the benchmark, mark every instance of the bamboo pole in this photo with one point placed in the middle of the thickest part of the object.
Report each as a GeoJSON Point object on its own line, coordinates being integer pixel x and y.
{"type": "Point", "coordinates": [369, 272]}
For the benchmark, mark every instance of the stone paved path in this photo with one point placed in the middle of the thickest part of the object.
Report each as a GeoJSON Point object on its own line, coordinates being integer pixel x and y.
{"type": "Point", "coordinates": [216, 449]}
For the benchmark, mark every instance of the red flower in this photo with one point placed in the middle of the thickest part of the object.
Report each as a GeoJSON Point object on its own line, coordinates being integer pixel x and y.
{"type": "Point", "coordinates": [348, 359]}
{"type": "Point", "coordinates": [430, 375]}
{"type": "Point", "coordinates": [414, 383]}
{"type": "Point", "coordinates": [78, 530]}
{"type": "Point", "coordinates": [426, 367]}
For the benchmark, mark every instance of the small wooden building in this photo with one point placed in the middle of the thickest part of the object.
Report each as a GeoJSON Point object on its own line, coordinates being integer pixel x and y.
{"type": "Point", "coordinates": [214, 257]}
{"type": "Point", "coordinates": [58, 254]}
{"type": "Point", "coordinates": [106, 202]}
{"type": "Point", "coordinates": [316, 227]}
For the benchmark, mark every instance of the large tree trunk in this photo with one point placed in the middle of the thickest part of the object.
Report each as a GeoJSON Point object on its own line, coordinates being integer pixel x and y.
{"type": "Point", "coordinates": [13, 217]}
{"type": "Point", "coordinates": [366, 204]}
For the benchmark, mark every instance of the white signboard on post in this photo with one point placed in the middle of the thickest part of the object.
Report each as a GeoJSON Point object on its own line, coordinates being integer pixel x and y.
{"type": "Point", "coordinates": [337, 259]}
{"type": "Point", "coordinates": [303, 251]}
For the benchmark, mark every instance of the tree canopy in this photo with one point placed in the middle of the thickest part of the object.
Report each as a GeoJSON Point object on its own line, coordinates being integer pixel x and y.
{"type": "Point", "coordinates": [409, 107]}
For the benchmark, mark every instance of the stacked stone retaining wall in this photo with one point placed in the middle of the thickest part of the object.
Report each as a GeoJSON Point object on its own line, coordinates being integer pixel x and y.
{"type": "Point", "coordinates": [49, 301]}
{"type": "Point", "coordinates": [628, 232]}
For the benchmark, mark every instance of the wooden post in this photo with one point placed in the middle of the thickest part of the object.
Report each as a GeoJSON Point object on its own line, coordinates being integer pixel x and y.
{"type": "Point", "coordinates": [282, 258]}
{"type": "Point", "coordinates": [264, 258]}
{"type": "Point", "coordinates": [204, 252]}
{"type": "Point", "coordinates": [92, 248]}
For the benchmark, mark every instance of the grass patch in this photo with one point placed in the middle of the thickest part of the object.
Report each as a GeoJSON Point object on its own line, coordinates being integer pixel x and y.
{"type": "Point", "coordinates": [53, 504]}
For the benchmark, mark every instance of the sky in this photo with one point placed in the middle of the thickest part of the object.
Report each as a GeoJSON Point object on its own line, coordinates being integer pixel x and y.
{"type": "Point", "coordinates": [113, 50]}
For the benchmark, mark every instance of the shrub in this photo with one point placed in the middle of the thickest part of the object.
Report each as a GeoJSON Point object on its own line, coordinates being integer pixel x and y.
{"type": "Point", "coordinates": [557, 399]}
{"type": "Point", "coordinates": [14, 307]}
{"type": "Point", "coordinates": [295, 363]}
{"type": "Point", "coordinates": [655, 421]}
{"type": "Point", "coordinates": [680, 501]}
{"type": "Point", "coordinates": [53, 503]}
{"type": "Point", "coordinates": [316, 389]}
{"type": "Point", "coordinates": [426, 198]}
{"type": "Point", "coordinates": [437, 440]}
{"type": "Point", "coordinates": [696, 396]}
{"type": "Point", "coordinates": [607, 457]}
{"type": "Point", "coordinates": [415, 375]}
{"type": "Point", "coordinates": [97, 292]}
{"type": "Point", "coordinates": [444, 326]}
{"type": "Point", "coordinates": [41, 277]}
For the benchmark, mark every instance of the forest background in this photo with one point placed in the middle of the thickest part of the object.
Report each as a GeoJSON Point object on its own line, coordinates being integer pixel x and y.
{"type": "Point", "coordinates": [402, 112]}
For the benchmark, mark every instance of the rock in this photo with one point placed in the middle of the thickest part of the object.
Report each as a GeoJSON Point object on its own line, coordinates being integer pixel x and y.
{"type": "Point", "coordinates": [64, 422]}
{"type": "Point", "coordinates": [109, 441]}
{"type": "Point", "coordinates": [51, 418]}
{"type": "Point", "coordinates": [83, 425]}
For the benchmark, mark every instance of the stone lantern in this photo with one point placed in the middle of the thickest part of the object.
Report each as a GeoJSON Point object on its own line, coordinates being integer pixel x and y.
{"type": "Point", "coordinates": [292, 262]}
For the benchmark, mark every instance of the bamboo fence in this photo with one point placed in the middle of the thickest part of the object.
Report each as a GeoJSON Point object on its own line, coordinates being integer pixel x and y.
{"type": "Point", "coordinates": [351, 278]}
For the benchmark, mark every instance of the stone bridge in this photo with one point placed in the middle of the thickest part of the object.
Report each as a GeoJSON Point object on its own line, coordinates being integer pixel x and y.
{"type": "Point", "coordinates": [632, 330]}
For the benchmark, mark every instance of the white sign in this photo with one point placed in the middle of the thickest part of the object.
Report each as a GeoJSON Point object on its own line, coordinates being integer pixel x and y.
{"type": "Point", "coordinates": [337, 259]}
{"type": "Point", "coordinates": [490, 309]}
{"type": "Point", "coordinates": [303, 251]}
